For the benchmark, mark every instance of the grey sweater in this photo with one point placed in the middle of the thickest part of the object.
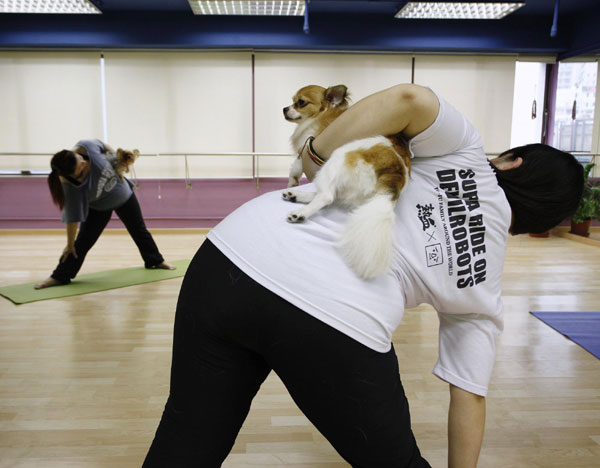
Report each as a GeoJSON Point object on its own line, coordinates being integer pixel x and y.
{"type": "Point", "coordinates": [101, 190]}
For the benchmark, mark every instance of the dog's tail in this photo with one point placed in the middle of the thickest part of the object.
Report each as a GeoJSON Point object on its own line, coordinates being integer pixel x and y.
{"type": "Point", "coordinates": [368, 239]}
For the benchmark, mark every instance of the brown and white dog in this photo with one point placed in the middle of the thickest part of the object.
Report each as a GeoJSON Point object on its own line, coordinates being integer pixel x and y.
{"type": "Point", "coordinates": [365, 176]}
{"type": "Point", "coordinates": [122, 160]}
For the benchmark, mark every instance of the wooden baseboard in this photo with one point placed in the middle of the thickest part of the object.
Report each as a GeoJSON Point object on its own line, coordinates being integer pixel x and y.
{"type": "Point", "coordinates": [30, 232]}
{"type": "Point", "coordinates": [563, 231]}
{"type": "Point", "coordinates": [568, 228]}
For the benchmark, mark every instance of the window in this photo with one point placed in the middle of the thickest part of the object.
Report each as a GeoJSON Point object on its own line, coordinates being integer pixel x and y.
{"type": "Point", "coordinates": [575, 105]}
{"type": "Point", "coordinates": [528, 103]}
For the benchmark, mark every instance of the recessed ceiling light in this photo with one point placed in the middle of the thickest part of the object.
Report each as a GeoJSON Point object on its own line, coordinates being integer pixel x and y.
{"type": "Point", "coordinates": [248, 7]}
{"type": "Point", "coordinates": [48, 6]}
{"type": "Point", "coordinates": [458, 10]}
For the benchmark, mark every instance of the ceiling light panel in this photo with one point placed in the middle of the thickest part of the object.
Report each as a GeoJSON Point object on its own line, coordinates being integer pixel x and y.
{"type": "Point", "coordinates": [458, 10]}
{"type": "Point", "coordinates": [248, 8]}
{"type": "Point", "coordinates": [48, 6]}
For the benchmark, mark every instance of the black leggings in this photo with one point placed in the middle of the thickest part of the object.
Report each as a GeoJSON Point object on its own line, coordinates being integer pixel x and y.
{"type": "Point", "coordinates": [230, 332]}
{"type": "Point", "coordinates": [90, 230]}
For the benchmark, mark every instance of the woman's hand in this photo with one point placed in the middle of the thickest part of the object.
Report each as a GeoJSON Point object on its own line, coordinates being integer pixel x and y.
{"type": "Point", "coordinates": [69, 249]}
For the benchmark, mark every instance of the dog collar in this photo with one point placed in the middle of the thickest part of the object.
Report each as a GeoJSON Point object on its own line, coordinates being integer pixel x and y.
{"type": "Point", "coordinates": [318, 160]}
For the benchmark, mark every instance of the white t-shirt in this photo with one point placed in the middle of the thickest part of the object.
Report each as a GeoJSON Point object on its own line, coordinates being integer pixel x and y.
{"type": "Point", "coordinates": [451, 230]}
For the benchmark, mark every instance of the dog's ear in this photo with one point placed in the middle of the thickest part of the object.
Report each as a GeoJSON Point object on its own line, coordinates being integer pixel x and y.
{"type": "Point", "coordinates": [336, 95]}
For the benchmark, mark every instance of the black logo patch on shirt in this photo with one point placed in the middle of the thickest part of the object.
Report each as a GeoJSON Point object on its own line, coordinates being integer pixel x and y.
{"type": "Point", "coordinates": [424, 213]}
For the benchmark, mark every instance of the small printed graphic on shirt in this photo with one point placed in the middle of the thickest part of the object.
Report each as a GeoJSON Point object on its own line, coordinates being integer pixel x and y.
{"type": "Point", "coordinates": [463, 226]}
{"type": "Point", "coordinates": [107, 181]}
{"type": "Point", "coordinates": [433, 249]}
{"type": "Point", "coordinates": [434, 255]}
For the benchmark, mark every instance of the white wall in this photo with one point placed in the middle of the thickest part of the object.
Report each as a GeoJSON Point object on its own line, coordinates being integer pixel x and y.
{"type": "Point", "coordinates": [279, 76]}
{"type": "Point", "coordinates": [480, 87]}
{"type": "Point", "coordinates": [48, 100]}
{"type": "Point", "coordinates": [181, 102]}
{"type": "Point", "coordinates": [199, 102]}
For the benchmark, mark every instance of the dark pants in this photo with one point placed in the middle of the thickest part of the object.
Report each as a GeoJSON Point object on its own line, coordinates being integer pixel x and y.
{"type": "Point", "coordinates": [90, 230]}
{"type": "Point", "coordinates": [230, 332]}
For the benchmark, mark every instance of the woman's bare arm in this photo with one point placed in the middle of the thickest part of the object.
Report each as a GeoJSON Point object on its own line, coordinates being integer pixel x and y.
{"type": "Point", "coordinates": [405, 109]}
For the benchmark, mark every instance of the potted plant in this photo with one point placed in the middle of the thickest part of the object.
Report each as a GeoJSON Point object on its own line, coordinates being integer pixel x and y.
{"type": "Point", "coordinates": [589, 206]}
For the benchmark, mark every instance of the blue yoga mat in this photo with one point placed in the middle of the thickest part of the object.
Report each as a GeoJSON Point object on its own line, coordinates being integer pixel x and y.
{"type": "Point", "coordinates": [581, 327]}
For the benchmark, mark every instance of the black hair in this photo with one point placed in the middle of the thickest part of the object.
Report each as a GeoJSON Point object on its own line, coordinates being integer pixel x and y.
{"type": "Point", "coordinates": [63, 164]}
{"type": "Point", "coordinates": [544, 190]}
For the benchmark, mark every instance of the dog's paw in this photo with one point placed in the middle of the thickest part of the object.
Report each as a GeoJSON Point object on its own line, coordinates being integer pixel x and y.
{"type": "Point", "coordinates": [289, 196]}
{"type": "Point", "coordinates": [295, 217]}
{"type": "Point", "coordinates": [293, 182]}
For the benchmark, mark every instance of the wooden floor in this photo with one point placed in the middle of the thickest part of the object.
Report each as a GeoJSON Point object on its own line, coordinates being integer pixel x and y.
{"type": "Point", "coordinates": [83, 380]}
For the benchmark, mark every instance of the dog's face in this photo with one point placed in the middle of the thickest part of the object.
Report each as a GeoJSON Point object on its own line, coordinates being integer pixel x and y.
{"type": "Point", "coordinates": [311, 101]}
{"type": "Point", "coordinates": [127, 157]}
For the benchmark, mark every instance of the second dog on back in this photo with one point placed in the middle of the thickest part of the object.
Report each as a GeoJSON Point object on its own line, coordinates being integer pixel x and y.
{"type": "Point", "coordinates": [365, 176]}
{"type": "Point", "coordinates": [121, 160]}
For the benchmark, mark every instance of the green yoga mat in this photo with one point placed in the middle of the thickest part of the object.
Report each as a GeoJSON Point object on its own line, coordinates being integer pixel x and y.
{"type": "Point", "coordinates": [93, 282]}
